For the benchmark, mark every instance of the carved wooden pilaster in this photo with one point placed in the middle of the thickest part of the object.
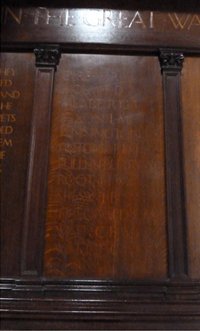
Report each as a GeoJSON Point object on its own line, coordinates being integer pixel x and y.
{"type": "Point", "coordinates": [171, 62]}
{"type": "Point", "coordinates": [47, 58]}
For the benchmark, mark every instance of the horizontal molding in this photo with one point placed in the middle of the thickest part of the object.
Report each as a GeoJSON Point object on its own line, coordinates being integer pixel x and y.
{"type": "Point", "coordinates": [45, 303]}
{"type": "Point", "coordinates": [153, 290]}
{"type": "Point", "coordinates": [107, 26]}
{"type": "Point", "coordinates": [96, 48]}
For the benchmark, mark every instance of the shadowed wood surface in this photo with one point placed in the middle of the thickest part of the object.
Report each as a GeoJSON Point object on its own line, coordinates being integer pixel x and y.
{"type": "Point", "coordinates": [152, 29]}
{"type": "Point", "coordinates": [17, 77]}
{"type": "Point", "coordinates": [191, 125]}
{"type": "Point", "coordinates": [106, 201]}
{"type": "Point", "coordinates": [107, 197]}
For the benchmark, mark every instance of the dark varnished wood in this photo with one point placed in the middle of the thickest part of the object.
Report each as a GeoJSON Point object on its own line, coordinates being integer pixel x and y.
{"type": "Point", "coordinates": [145, 29]}
{"type": "Point", "coordinates": [106, 201]}
{"type": "Point", "coordinates": [171, 65]}
{"type": "Point", "coordinates": [32, 241]}
{"type": "Point", "coordinates": [56, 304]}
{"type": "Point", "coordinates": [191, 129]}
{"type": "Point", "coordinates": [178, 5]}
{"type": "Point", "coordinates": [16, 114]}
{"type": "Point", "coordinates": [75, 305]}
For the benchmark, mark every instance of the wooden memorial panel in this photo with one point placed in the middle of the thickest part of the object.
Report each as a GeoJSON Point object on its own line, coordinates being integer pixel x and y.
{"type": "Point", "coordinates": [109, 27]}
{"type": "Point", "coordinates": [191, 126]}
{"type": "Point", "coordinates": [17, 79]}
{"type": "Point", "coordinates": [106, 200]}
{"type": "Point", "coordinates": [100, 166]}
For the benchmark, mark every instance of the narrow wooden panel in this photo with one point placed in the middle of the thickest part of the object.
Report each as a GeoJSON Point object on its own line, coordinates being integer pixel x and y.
{"type": "Point", "coordinates": [17, 79]}
{"type": "Point", "coordinates": [171, 65]}
{"type": "Point", "coordinates": [106, 201]}
{"type": "Point", "coordinates": [191, 125]}
{"type": "Point", "coordinates": [32, 242]}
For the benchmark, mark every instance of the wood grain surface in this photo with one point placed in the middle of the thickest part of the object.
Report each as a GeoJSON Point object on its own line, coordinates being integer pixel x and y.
{"type": "Point", "coordinates": [106, 200]}
{"type": "Point", "coordinates": [146, 29]}
{"type": "Point", "coordinates": [191, 125]}
{"type": "Point", "coordinates": [15, 115]}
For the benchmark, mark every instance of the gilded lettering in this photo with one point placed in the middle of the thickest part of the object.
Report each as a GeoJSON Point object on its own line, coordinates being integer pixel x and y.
{"type": "Point", "coordinates": [195, 21]}
{"type": "Point", "coordinates": [151, 24]}
{"type": "Point", "coordinates": [6, 118]}
{"type": "Point", "coordinates": [7, 72]}
{"type": "Point", "coordinates": [16, 15]}
{"type": "Point", "coordinates": [122, 20]}
{"type": "Point", "coordinates": [118, 19]}
{"type": "Point", "coordinates": [2, 155]}
{"type": "Point", "coordinates": [41, 15]}
{"type": "Point", "coordinates": [6, 82]}
{"type": "Point", "coordinates": [6, 129]}
{"type": "Point", "coordinates": [179, 22]}
{"type": "Point", "coordinates": [55, 19]}
{"type": "Point", "coordinates": [6, 142]}
{"type": "Point", "coordinates": [68, 18]}
{"type": "Point", "coordinates": [108, 17]}
{"type": "Point", "coordinates": [137, 19]}
{"type": "Point", "coordinates": [5, 105]}
{"type": "Point", "coordinates": [13, 94]}
{"type": "Point", "coordinates": [92, 17]}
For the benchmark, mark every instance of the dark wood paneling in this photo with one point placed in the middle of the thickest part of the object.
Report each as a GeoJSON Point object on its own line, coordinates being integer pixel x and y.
{"type": "Point", "coordinates": [53, 305]}
{"type": "Point", "coordinates": [106, 201]}
{"type": "Point", "coordinates": [17, 78]}
{"type": "Point", "coordinates": [171, 66]}
{"type": "Point", "coordinates": [191, 125]}
{"type": "Point", "coordinates": [57, 304]}
{"type": "Point", "coordinates": [32, 241]}
{"type": "Point", "coordinates": [177, 5]}
{"type": "Point", "coordinates": [137, 28]}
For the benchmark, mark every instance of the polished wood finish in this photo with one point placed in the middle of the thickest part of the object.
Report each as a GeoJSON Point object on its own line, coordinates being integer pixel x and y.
{"type": "Point", "coordinates": [106, 200]}
{"type": "Point", "coordinates": [145, 29]}
{"type": "Point", "coordinates": [89, 305]}
{"type": "Point", "coordinates": [191, 126]}
{"type": "Point", "coordinates": [32, 247]}
{"type": "Point", "coordinates": [41, 299]}
{"type": "Point", "coordinates": [171, 65]}
{"type": "Point", "coordinates": [15, 114]}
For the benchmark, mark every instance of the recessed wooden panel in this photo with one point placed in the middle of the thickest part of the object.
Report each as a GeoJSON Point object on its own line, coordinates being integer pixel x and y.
{"type": "Point", "coordinates": [106, 201]}
{"type": "Point", "coordinates": [17, 76]}
{"type": "Point", "coordinates": [191, 126]}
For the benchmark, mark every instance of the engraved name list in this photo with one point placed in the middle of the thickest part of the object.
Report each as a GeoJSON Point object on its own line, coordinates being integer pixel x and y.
{"type": "Point", "coordinates": [8, 111]}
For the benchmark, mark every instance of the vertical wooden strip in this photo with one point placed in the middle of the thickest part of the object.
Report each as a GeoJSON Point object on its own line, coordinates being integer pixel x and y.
{"type": "Point", "coordinates": [32, 242]}
{"type": "Point", "coordinates": [191, 132]}
{"type": "Point", "coordinates": [171, 65]}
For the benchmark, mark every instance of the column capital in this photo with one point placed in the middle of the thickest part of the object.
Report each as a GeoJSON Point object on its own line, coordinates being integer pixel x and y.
{"type": "Point", "coordinates": [171, 60]}
{"type": "Point", "coordinates": [47, 56]}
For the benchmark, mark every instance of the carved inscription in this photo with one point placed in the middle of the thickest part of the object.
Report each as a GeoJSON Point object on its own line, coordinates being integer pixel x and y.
{"type": "Point", "coordinates": [102, 141]}
{"type": "Point", "coordinates": [112, 19]}
{"type": "Point", "coordinates": [81, 170]}
{"type": "Point", "coordinates": [9, 95]}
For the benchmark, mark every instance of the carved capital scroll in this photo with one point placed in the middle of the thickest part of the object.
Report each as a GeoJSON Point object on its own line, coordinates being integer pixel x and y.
{"type": "Point", "coordinates": [171, 60]}
{"type": "Point", "coordinates": [47, 57]}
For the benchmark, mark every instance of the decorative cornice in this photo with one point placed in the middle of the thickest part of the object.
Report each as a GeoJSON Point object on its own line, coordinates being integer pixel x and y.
{"type": "Point", "coordinates": [171, 60]}
{"type": "Point", "coordinates": [47, 57]}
